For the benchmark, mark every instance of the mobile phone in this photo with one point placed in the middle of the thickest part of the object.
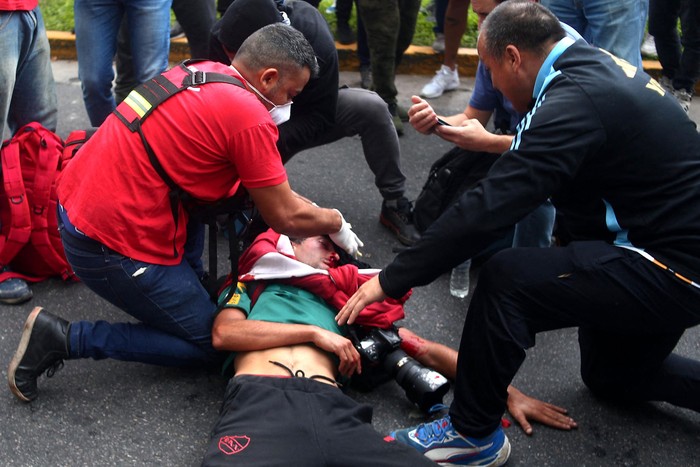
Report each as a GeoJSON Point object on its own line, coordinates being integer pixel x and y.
{"type": "Point", "coordinates": [443, 122]}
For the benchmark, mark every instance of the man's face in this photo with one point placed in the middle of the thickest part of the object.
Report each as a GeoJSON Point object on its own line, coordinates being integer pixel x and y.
{"type": "Point", "coordinates": [507, 75]}
{"type": "Point", "coordinates": [317, 252]}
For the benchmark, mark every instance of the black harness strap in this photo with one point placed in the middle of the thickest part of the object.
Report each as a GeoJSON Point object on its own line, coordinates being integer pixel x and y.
{"type": "Point", "coordinates": [137, 106]}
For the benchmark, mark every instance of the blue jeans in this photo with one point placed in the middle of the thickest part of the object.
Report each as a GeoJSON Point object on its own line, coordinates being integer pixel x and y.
{"type": "Point", "coordinates": [535, 229]}
{"type": "Point", "coordinates": [27, 92]}
{"type": "Point", "coordinates": [614, 25]}
{"type": "Point", "coordinates": [174, 310]}
{"type": "Point", "coordinates": [96, 26]}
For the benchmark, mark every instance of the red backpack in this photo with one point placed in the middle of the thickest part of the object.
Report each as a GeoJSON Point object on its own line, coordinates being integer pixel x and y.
{"type": "Point", "coordinates": [29, 239]}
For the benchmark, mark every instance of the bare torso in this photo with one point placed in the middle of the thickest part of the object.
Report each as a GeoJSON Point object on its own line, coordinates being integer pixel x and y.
{"type": "Point", "coordinates": [305, 357]}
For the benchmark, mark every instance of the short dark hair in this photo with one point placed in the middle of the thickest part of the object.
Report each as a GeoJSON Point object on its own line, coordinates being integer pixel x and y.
{"type": "Point", "coordinates": [278, 46]}
{"type": "Point", "coordinates": [522, 23]}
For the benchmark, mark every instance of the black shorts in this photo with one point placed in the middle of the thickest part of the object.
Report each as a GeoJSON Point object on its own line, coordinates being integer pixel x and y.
{"type": "Point", "coordinates": [269, 421]}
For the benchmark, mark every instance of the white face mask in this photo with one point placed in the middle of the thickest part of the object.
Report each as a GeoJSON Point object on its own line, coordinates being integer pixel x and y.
{"type": "Point", "coordinates": [281, 113]}
{"type": "Point", "coordinates": [278, 113]}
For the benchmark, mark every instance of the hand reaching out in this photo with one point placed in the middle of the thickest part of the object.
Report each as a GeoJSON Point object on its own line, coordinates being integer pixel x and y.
{"type": "Point", "coordinates": [369, 292]}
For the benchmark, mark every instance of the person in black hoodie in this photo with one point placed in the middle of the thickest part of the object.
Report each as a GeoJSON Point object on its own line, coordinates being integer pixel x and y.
{"type": "Point", "coordinates": [322, 113]}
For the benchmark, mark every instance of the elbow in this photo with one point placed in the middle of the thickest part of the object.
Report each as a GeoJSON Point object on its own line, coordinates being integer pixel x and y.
{"type": "Point", "coordinates": [218, 340]}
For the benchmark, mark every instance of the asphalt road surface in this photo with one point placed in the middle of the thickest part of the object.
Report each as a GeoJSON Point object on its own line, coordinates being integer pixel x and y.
{"type": "Point", "coordinates": [96, 413]}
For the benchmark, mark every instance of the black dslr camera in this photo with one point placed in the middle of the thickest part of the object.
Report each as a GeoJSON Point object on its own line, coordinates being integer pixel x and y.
{"type": "Point", "coordinates": [379, 349]}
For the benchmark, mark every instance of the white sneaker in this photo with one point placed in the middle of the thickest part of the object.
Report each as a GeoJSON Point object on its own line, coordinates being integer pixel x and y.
{"type": "Point", "coordinates": [444, 80]}
{"type": "Point", "coordinates": [439, 43]}
{"type": "Point", "coordinates": [649, 47]}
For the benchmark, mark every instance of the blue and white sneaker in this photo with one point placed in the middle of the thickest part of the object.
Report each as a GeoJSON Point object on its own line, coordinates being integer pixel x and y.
{"type": "Point", "coordinates": [440, 442]}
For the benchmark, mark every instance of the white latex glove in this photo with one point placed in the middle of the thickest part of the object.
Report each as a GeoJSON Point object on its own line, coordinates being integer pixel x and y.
{"type": "Point", "coordinates": [345, 238]}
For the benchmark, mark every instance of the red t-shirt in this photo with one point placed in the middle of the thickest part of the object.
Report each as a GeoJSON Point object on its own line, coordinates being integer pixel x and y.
{"type": "Point", "coordinates": [18, 5]}
{"type": "Point", "coordinates": [207, 139]}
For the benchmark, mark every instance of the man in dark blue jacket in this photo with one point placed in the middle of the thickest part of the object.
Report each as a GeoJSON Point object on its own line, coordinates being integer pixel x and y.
{"type": "Point", "coordinates": [322, 113]}
{"type": "Point", "coordinates": [621, 160]}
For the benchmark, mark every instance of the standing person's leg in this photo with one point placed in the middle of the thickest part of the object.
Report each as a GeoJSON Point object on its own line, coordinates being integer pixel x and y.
{"type": "Point", "coordinates": [96, 26]}
{"type": "Point", "coordinates": [149, 34]}
{"type": "Point", "coordinates": [447, 77]}
{"type": "Point", "coordinates": [568, 12]}
{"type": "Point", "coordinates": [34, 95]}
{"type": "Point", "coordinates": [408, 17]}
{"type": "Point", "coordinates": [615, 26]}
{"type": "Point", "coordinates": [343, 11]}
{"type": "Point", "coordinates": [663, 17]}
{"type": "Point", "coordinates": [381, 21]}
{"type": "Point", "coordinates": [196, 18]}
{"type": "Point", "coordinates": [689, 69]}
{"type": "Point", "coordinates": [363, 55]}
{"type": "Point", "coordinates": [439, 28]}
{"type": "Point", "coordinates": [524, 291]}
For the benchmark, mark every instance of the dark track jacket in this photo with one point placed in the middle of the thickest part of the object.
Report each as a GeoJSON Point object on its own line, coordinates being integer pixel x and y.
{"type": "Point", "coordinates": [619, 158]}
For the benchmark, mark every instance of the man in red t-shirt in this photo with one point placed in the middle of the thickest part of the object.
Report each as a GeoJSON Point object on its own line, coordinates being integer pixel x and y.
{"type": "Point", "coordinates": [121, 236]}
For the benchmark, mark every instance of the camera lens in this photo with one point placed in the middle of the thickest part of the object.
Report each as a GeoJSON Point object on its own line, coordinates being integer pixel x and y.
{"type": "Point", "coordinates": [423, 386]}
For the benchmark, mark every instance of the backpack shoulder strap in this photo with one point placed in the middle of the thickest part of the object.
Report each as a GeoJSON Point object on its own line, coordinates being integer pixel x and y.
{"type": "Point", "coordinates": [47, 148]}
{"type": "Point", "coordinates": [20, 226]}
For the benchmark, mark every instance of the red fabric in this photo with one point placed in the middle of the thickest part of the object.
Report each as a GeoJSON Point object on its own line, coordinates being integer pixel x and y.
{"type": "Point", "coordinates": [29, 238]}
{"type": "Point", "coordinates": [335, 288]}
{"type": "Point", "coordinates": [206, 139]}
{"type": "Point", "coordinates": [18, 5]}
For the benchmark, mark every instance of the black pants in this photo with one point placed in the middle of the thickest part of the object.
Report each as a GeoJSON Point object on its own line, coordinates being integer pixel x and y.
{"type": "Point", "coordinates": [630, 314]}
{"type": "Point", "coordinates": [273, 421]}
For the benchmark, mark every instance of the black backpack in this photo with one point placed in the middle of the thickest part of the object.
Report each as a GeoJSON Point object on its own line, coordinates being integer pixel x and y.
{"type": "Point", "coordinates": [449, 177]}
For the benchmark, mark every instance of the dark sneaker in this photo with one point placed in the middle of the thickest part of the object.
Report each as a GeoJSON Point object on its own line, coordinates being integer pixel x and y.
{"type": "Point", "coordinates": [397, 216]}
{"type": "Point", "coordinates": [13, 291]}
{"type": "Point", "coordinates": [42, 347]}
{"type": "Point", "coordinates": [344, 34]}
{"type": "Point", "coordinates": [441, 443]}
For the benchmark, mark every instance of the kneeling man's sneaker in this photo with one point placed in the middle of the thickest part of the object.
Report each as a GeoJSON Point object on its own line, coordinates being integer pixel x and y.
{"type": "Point", "coordinates": [441, 443]}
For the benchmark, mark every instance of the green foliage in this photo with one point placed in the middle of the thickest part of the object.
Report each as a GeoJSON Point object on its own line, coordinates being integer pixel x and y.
{"type": "Point", "coordinates": [58, 16]}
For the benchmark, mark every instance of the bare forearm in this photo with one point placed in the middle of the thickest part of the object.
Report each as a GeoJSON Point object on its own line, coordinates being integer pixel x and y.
{"type": "Point", "coordinates": [288, 213]}
{"type": "Point", "coordinates": [497, 144]}
{"type": "Point", "coordinates": [259, 335]}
